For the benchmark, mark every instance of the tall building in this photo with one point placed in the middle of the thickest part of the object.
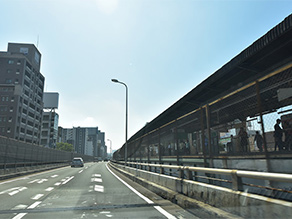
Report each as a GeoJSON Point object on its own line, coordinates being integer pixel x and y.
{"type": "Point", "coordinates": [89, 140]}
{"type": "Point", "coordinates": [50, 120]}
{"type": "Point", "coordinates": [21, 92]}
{"type": "Point", "coordinates": [49, 129]}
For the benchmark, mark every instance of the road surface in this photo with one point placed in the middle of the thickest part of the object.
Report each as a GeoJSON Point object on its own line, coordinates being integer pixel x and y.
{"type": "Point", "coordinates": [93, 191]}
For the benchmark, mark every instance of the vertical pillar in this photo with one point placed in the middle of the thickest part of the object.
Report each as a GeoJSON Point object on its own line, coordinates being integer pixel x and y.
{"type": "Point", "coordinates": [177, 143]}
{"type": "Point", "coordinates": [148, 148]}
{"type": "Point", "coordinates": [140, 151]}
{"type": "Point", "coordinates": [259, 102]}
{"type": "Point", "coordinates": [209, 130]}
{"type": "Point", "coordinates": [159, 147]}
{"type": "Point", "coordinates": [203, 136]}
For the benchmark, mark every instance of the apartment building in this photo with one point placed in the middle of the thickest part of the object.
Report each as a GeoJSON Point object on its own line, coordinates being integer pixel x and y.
{"type": "Point", "coordinates": [21, 93]}
{"type": "Point", "coordinates": [86, 140]}
{"type": "Point", "coordinates": [50, 119]}
{"type": "Point", "coordinates": [49, 129]}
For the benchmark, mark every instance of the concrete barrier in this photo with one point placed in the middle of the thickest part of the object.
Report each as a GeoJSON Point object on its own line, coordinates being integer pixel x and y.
{"type": "Point", "coordinates": [192, 194]}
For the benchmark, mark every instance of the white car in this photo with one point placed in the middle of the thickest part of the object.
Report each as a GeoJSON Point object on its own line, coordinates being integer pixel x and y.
{"type": "Point", "coordinates": [77, 162]}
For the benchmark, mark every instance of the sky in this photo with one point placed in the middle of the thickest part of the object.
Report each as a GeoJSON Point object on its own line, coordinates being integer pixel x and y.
{"type": "Point", "coordinates": [161, 49]}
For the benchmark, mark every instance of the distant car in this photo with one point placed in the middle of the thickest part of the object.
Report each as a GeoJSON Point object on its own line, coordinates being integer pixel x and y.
{"type": "Point", "coordinates": [77, 162]}
{"type": "Point", "coordinates": [97, 159]}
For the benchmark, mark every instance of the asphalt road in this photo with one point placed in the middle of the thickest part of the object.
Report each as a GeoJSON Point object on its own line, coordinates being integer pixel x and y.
{"type": "Point", "coordinates": [93, 191]}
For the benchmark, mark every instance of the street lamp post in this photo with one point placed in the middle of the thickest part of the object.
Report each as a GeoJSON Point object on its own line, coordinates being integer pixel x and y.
{"type": "Point", "coordinates": [126, 144]}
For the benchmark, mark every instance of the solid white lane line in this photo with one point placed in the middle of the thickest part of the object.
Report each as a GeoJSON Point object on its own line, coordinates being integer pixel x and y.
{"type": "Point", "coordinates": [158, 208]}
{"type": "Point", "coordinates": [19, 216]}
{"type": "Point", "coordinates": [34, 205]}
{"type": "Point", "coordinates": [37, 196]}
{"type": "Point", "coordinates": [49, 189]}
{"type": "Point", "coordinates": [68, 180]}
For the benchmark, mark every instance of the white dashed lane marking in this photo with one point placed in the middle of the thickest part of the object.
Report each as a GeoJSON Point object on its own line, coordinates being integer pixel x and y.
{"type": "Point", "coordinates": [67, 180]}
{"type": "Point", "coordinates": [13, 191]}
{"type": "Point", "coordinates": [49, 189]}
{"type": "Point", "coordinates": [38, 181]}
{"type": "Point", "coordinates": [98, 188]}
{"type": "Point", "coordinates": [18, 207]}
{"type": "Point", "coordinates": [33, 181]}
{"type": "Point", "coordinates": [34, 205]}
{"type": "Point", "coordinates": [42, 180]}
{"type": "Point", "coordinates": [96, 179]}
{"type": "Point", "coordinates": [38, 196]}
{"type": "Point", "coordinates": [19, 216]}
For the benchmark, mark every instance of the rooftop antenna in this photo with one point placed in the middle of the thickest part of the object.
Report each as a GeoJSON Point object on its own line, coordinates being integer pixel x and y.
{"type": "Point", "coordinates": [38, 42]}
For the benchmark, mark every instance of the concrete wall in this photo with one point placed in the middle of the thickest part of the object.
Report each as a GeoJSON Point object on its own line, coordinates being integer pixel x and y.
{"type": "Point", "coordinates": [240, 203]}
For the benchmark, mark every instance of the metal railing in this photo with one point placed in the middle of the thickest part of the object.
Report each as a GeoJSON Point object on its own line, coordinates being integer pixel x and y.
{"type": "Point", "coordinates": [187, 172]}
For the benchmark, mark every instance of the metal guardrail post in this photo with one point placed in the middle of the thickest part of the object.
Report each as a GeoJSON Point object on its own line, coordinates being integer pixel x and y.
{"type": "Point", "coordinates": [149, 168]}
{"type": "Point", "coordinates": [189, 173]}
{"type": "Point", "coordinates": [161, 169]}
{"type": "Point", "coordinates": [181, 172]}
{"type": "Point", "coordinates": [236, 181]}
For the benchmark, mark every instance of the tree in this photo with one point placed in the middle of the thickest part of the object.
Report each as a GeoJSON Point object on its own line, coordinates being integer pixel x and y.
{"type": "Point", "coordinates": [65, 147]}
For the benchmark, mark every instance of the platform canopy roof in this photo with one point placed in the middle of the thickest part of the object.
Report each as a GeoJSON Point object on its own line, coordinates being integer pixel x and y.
{"type": "Point", "coordinates": [268, 53]}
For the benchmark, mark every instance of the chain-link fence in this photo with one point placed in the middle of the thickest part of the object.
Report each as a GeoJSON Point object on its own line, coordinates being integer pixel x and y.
{"type": "Point", "coordinates": [242, 122]}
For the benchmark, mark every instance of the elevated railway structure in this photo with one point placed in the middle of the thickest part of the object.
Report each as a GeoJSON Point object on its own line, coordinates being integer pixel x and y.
{"type": "Point", "coordinates": [218, 119]}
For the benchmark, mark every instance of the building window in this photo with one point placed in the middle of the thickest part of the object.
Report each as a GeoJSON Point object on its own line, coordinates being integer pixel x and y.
{"type": "Point", "coordinates": [5, 98]}
{"type": "Point", "coordinates": [17, 71]}
{"type": "Point", "coordinates": [3, 119]}
{"type": "Point", "coordinates": [10, 62]}
{"type": "Point", "coordinates": [9, 71]}
{"type": "Point", "coordinates": [18, 62]}
{"type": "Point", "coordinates": [3, 108]}
{"type": "Point", "coordinates": [8, 81]}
